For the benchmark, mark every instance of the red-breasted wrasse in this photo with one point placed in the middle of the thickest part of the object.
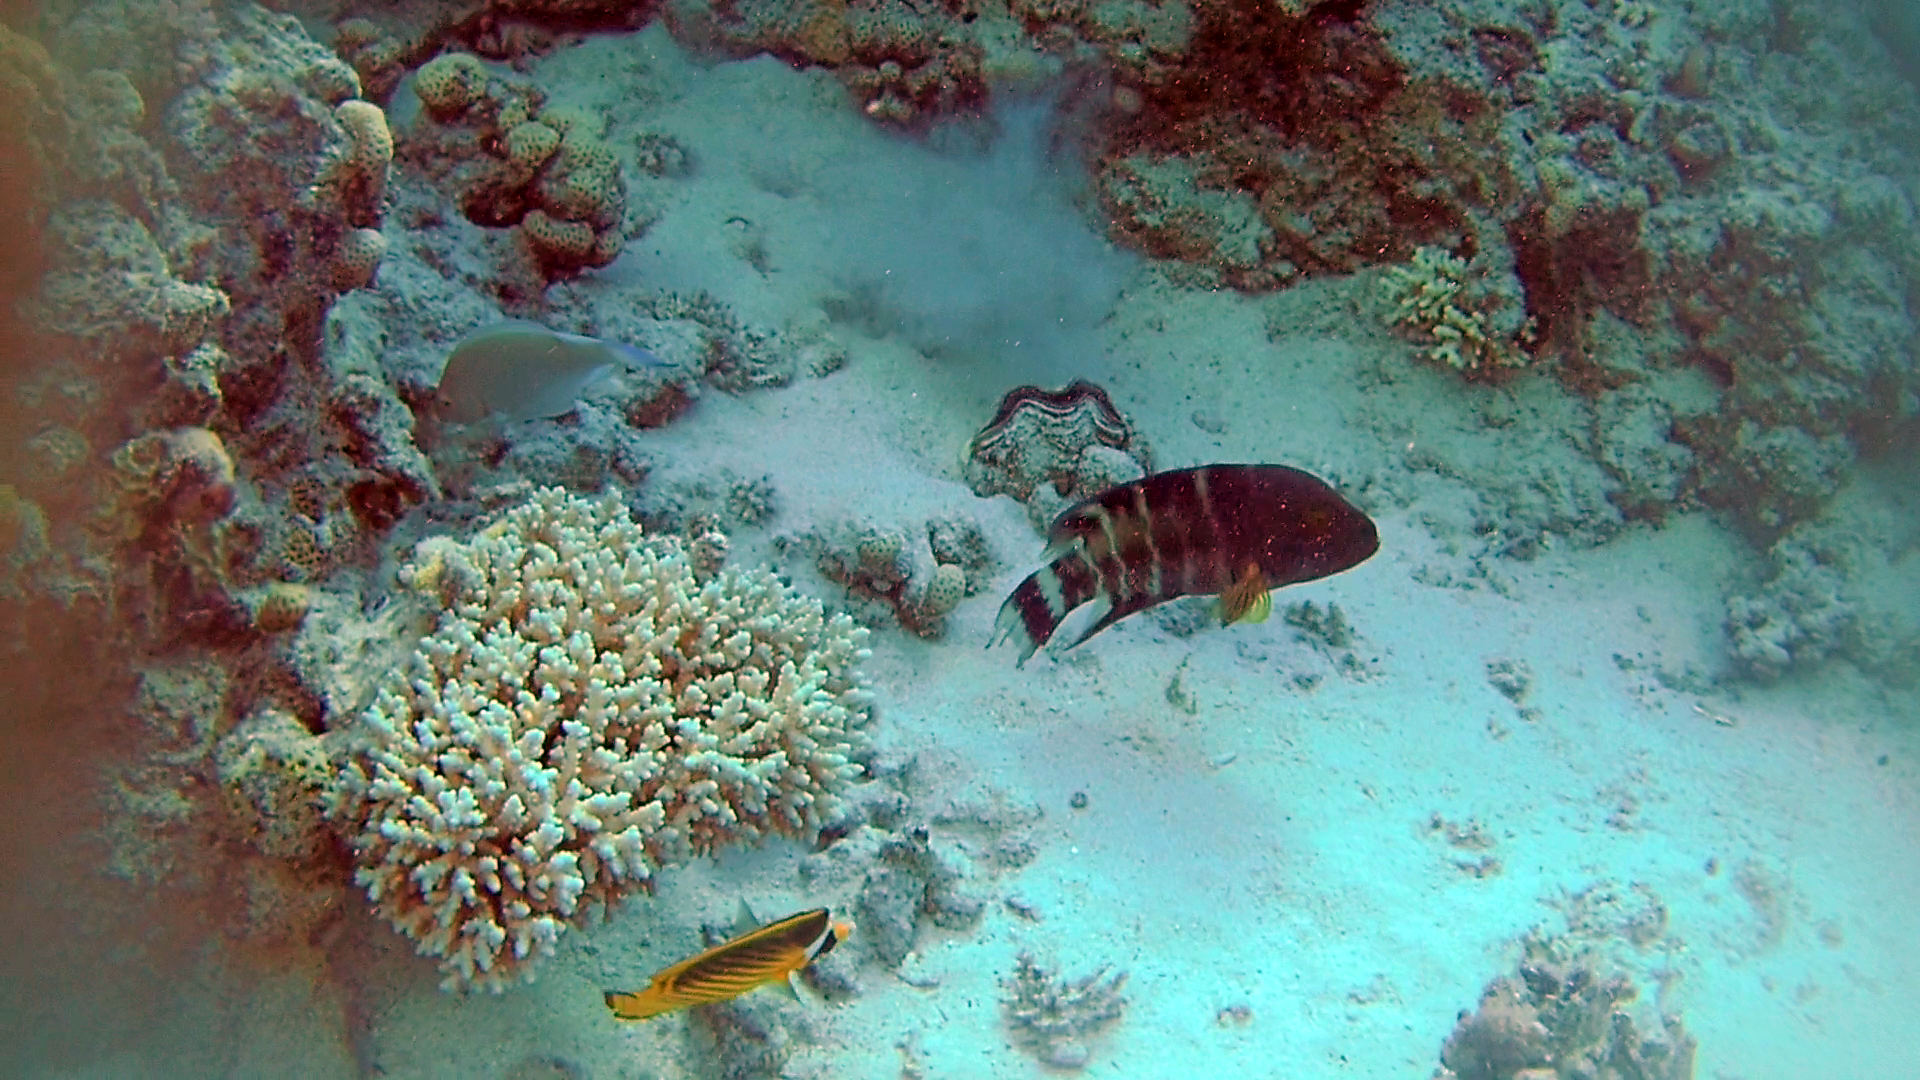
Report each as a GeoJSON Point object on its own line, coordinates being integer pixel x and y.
{"type": "Point", "coordinates": [773, 953]}
{"type": "Point", "coordinates": [1234, 530]}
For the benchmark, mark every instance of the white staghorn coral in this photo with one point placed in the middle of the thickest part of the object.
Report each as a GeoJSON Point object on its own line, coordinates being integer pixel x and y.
{"type": "Point", "coordinates": [584, 712]}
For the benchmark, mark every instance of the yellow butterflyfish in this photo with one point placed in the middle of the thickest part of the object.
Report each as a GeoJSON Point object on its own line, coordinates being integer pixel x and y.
{"type": "Point", "coordinates": [770, 954]}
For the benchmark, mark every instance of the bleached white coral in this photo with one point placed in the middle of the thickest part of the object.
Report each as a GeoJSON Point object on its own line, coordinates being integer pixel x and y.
{"type": "Point", "coordinates": [584, 712]}
{"type": "Point", "coordinates": [1430, 298]}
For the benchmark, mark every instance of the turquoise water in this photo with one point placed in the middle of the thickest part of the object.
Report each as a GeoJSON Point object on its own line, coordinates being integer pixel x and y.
{"type": "Point", "coordinates": [357, 733]}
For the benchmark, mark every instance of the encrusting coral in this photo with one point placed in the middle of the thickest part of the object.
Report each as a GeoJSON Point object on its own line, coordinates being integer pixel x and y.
{"type": "Point", "coordinates": [585, 711]}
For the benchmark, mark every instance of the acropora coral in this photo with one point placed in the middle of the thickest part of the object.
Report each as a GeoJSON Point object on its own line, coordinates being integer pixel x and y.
{"type": "Point", "coordinates": [583, 712]}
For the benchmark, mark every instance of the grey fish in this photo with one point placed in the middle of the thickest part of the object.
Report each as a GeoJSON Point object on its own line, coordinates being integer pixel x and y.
{"type": "Point", "coordinates": [526, 371]}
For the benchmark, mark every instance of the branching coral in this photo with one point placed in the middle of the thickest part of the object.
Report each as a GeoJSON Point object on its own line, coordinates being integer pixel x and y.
{"type": "Point", "coordinates": [1051, 1015]}
{"type": "Point", "coordinates": [584, 712]}
{"type": "Point", "coordinates": [1431, 299]}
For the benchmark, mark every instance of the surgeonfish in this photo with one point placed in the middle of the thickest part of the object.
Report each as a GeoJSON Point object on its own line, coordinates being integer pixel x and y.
{"type": "Point", "coordinates": [1235, 530]}
{"type": "Point", "coordinates": [773, 953]}
{"type": "Point", "coordinates": [526, 371]}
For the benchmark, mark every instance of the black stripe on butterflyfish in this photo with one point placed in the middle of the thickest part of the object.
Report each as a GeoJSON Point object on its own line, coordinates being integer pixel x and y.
{"type": "Point", "coordinates": [769, 954]}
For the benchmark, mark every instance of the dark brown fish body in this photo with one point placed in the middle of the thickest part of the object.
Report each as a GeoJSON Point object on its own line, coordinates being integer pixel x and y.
{"type": "Point", "coordinates": [1183, 533]}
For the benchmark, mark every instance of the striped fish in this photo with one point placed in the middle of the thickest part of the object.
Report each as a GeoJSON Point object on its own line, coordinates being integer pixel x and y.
{"type": "Point", "coordinates": [773, 953]}
{"type": "Point", "coordinates": [1235, 530]}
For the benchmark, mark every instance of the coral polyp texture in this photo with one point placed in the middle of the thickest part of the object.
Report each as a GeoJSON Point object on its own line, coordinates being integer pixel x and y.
{"type": "Point", "coordinates": [510, 158]}
{"type": "Point", "coordinates": [448, 84]}
{"type": "Point", "coordinates": [585, 711]}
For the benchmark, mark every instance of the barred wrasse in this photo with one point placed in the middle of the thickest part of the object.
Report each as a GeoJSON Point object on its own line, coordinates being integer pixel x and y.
{"type": "Point", "coordinates": [1235, 530]}
{"type": "Point", "coordinates": [773, 953]}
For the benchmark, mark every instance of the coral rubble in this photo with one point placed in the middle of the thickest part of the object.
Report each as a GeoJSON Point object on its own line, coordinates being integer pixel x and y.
{"type": "Point", "coordinates": [1561, 1021]}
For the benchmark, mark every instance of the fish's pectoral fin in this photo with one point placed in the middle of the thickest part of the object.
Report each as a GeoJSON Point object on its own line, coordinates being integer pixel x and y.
{"type": "Point", "coordinates": [1059, 547]}
{"type": "Point", "coordinates": [1262, 607]}
{"type": "Point", "coordinates": [788, 987]}
{"type": "Point", "coordinates": [1246, 600]}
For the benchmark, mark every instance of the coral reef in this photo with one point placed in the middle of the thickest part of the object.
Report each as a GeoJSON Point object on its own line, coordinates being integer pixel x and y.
{"type": "Point", "coordinates": [584, 712]}
{"type": "Point", "coordinates": [1612, 217]}
{"type": "Point", "coordinates": [511, 160]}
{"type": "Point", "coordinates": [1560, 1020]}
{"type": "Point", "coordinates": [1051, 1016]}
{"type": "Point", "coordinates": [1627, 213]}
{"type": "Point", "coordinates": [109, 284]}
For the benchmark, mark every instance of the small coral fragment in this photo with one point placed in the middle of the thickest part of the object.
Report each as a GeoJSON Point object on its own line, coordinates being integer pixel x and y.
{"type": "Point", "coordinates": [944, 590]}
{"type": "Point", "coordinates": [1431, 300]}
{"type": "Point", "coordinates": [1051, 1016]}
{"type": "Point", "coordinates": [1560, 1018]}
{"type": "Point", "coordinates": [281, 608]}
